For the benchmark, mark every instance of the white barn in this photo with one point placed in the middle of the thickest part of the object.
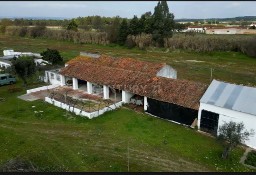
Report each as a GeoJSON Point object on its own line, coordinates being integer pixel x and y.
{"type": "Point", "coordinates": [224, 102]}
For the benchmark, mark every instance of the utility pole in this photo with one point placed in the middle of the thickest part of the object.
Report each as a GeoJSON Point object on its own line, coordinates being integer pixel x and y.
{"type": "Point", "coordinates": [211, 74]}
{"type": "Point", "coordinates": [128, 162]}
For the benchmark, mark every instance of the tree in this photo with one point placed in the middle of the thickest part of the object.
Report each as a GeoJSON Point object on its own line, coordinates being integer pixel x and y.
{"type": "Point", "coordinates": [24, 67]}
{"type": "Point", "coordinates": [134, 26]}
{"type": "Point", "coordinates": [123, 32]}
{"type": "Point", "coordinates": [163, 23]}
{"type": "Point", "coordinates": [113, 30]}
{"type": "Point", "coordinates": [148, 22]}
{"type": "Point", "coordinates": [52, 56]}
{"type": "Point", "coordinates": [72, 26]}
{"type": "Point", "coordinates": [231, 134]}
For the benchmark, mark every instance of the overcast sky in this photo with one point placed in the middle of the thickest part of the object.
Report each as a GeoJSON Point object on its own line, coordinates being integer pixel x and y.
{"type": "Point", "coordinates": [71, 9]}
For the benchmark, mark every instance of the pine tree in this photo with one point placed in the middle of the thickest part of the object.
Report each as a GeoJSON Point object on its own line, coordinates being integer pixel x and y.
{"type": "Point", "coordinates": [134, 26]}
{"type": "Point", "coordinates": [163, 23]}
{"type": "Point", "coordinates": [123, 32]}
{"type": "Point", "coordinates": [72, 26]}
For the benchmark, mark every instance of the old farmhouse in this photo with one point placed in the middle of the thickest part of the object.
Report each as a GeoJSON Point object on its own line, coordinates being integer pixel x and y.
{"type": "Point", "coordinates": [152, 85]}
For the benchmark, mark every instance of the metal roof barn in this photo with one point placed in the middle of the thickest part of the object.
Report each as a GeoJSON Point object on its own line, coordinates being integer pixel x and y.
{"type": "Point", "coordinates": [224, 102]}
{"type": "Point", "coordinates": [231, 96]}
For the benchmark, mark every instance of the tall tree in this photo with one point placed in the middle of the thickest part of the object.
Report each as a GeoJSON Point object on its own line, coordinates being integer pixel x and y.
{"type": "Point", "coordinates": [231, 134]}
{"type": "Point", "coordinates": [123, 32]}
{"type": "Point", "coordinates": [24, 67]}
{"type": "Point", "coordinates": [113, 30]}
{"type": "Point", "coordinates": [163, 23]}
{"type": "Point", "coordinates": [72, 26]}
{"type": "Point", "coordinates": [134, 26]}
{"type": "Point", "coordinates": [53, 56]}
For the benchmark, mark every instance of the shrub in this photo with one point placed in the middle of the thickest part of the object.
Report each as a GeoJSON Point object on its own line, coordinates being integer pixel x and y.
{"type": "Point", "coordinates": [251, 159]}
{"type": "Point", "coordinates": [13, 89]}
{"type": "Point", "coordinates": [249, 47]}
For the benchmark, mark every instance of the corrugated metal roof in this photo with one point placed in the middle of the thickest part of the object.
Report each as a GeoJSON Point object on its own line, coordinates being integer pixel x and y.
{"type": "Point", "coordinates": [230, 96]}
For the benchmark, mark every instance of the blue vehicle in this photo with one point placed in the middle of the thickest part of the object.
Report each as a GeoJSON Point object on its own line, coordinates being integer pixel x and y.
{"type": "Point", "coordinates": [7, 79]}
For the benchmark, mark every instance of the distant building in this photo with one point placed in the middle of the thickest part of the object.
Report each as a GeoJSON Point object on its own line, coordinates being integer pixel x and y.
{"type": "Point", "coordinates": [5, 61]}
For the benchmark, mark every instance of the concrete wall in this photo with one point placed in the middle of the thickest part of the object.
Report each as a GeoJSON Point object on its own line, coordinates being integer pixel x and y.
{"type": "Point", "coordinates": [226, 115]}
{"type": "Point", "coordinates": [5, 65]}
{"type": "Point", "coordinates": [75, 83]}
{"type": "Point", "coordinates": [126, 96]}
{"type": "Point", "coordinates": [105, 92]}
{"type": "Point", "coordinates": [52, 78]}
{"type": "Point", "coordinates": [80, 112]}
{"type": "Point", "coordinates": [145, 103]}
{"type": "Point", "coordinates": [168, 72]}
{"type": "Point", "coordinates": [41, 88]}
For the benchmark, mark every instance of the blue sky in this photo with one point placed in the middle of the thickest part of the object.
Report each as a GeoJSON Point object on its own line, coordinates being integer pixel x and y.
{"type": "Point", "coordinates": [71, 9]}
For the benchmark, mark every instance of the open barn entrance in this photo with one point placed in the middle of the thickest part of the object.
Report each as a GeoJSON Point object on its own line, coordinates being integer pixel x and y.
{"type": "Point", "coordinates": [209, 122]}
{"type": "Point", "coordinates": [172, 112]}
{"type": "Point", "coordinates": [82, 85]}
{"type": "Point", "coordinates": [115, 94]}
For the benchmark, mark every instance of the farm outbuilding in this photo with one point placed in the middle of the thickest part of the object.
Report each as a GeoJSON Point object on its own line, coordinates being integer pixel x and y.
{"type": "Point", "coordinates": [224, 102]}
{"type": "Point", "coordinates": [153, 86]}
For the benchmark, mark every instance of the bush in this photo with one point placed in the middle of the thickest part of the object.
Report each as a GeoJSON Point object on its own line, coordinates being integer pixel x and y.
{"type": "Point", "coordinates": [249, 47]}
{"type": "Point", "coordinates": [251, 159]}
{"type": "Point", "coordinates": [13, 89]}
{"type": "Point", "coordinates": [23, 31]}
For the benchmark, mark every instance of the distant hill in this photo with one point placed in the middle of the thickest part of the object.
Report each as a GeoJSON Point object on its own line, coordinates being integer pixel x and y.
{"type": "Point", "coordinates": [34, 18]}
{"type": "Point", "coordinates": [240, 18]}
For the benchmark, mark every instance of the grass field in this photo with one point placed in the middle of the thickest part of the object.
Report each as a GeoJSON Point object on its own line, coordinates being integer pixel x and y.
{"type": "Point", "coordinates": [232, 67]}
{"type": "Point", "coordinates": [54, 141]}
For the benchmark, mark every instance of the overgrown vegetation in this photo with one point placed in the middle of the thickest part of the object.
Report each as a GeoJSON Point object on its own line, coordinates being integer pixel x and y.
{"type": "Point", "coordinates": [24, 67]}
{"type": "Point", "coordinates": [231, 135]}
{"type": "Point", "coordinates": [251, 159]}
{"type": "Point", "coordinates": [53, 56]}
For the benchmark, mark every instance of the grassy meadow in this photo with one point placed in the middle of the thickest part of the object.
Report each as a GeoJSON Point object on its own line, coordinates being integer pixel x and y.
{"type": "Point", "coordinates": [120, 140]}
{"type": "Point", "coordinates": [54, 141]}
{"type": "Point", "coordinates": [232, 67]}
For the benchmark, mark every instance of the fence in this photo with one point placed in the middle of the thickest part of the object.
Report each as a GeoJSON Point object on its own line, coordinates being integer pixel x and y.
{"type": "Point", "coordinates": [83, 113]}
{"type": "Point", "coordinates": [42, 88]}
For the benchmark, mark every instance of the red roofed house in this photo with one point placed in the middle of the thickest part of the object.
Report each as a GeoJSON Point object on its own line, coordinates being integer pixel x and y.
{"type": "Point", "coordinates": [153, 85]}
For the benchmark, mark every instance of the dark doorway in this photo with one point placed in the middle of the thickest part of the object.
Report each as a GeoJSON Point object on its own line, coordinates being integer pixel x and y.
{"type": "Point", "coordinates": [171, 111]}
{"type": "Point", "coordinates": [209, 122]}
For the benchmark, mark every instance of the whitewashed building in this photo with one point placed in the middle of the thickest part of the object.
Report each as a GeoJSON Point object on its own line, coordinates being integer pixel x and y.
{"type": "Point", "coordinates": [223, 102]}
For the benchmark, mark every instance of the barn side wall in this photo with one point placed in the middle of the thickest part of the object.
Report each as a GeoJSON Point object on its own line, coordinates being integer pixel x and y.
{"type": "Point", "coordinates": [226, 115]}
{"type": "Point", "coordinates": [172, 112]}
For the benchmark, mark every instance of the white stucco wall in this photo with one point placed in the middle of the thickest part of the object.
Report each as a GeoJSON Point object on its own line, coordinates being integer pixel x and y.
{"type": "Point", "coordinates": [75, 83]}
{"type": "Point", "coordinates": [77, 111]}
{"type": "Point", "coordinates": [105, 92]}
{"type": "Point", "coordinates": [89, 87]}
{"type": "Point", "coordinates": [126, 96]}
{"type": "Point", "coordinates": [5, 65]}
{"type": "Point", "coordinates": [226, 115]}
{"type": "Point", "coordinates": [145, 103]}
{"type": "Point", "coordinates": [52, 79]}
{"type": "Point", "coordinates": [168, 72]}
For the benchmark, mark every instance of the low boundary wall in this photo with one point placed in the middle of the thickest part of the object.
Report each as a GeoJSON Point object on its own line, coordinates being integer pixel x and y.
{"type": "Point", "coordinates": [83, 113]}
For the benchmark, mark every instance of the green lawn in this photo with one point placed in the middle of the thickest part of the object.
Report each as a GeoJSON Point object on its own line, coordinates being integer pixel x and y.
{"type": "Point", "coordinates": [232, 67]}
{"type": "Point", "coordinates": [56, 142]}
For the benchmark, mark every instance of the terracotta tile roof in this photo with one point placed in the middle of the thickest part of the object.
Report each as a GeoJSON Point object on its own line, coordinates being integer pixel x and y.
{"type": "Point", "coordinates": [132, 79]}
{"type": "Point", "coordinates": [121, 63]}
